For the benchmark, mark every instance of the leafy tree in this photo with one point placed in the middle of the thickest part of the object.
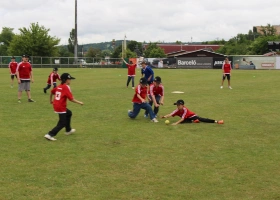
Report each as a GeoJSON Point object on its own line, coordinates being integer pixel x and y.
{"type": "Point", "coordinates": [260, 46]}
{"type": "Point", "coordinates": [63, 52]}
{"type": "Point", "coordinates": [135, 47]}
{"type": "Point", "coordinates": [117, 52]}
{"type": "Point", "coordinates": [154, 51]}
{"type": "Point", "coordinates": [34, 41]}
{"type": "Point", "coordinates": [93, 52]}
{"type": "Point", "coordinates": [129, 54]}
{"type": "Point", "coordinates": [6, 37]}
{"type": "Point", "coordinates": [268, 30]}
{"type": "Point", "coordinates": [71, 41]}
{"type": "Point", "coordinates": [105, 53]}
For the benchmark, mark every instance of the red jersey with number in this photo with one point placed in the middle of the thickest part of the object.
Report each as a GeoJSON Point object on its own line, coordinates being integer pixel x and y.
{"type": "Point", "coordinates": [184, 113]}
{"type": "Point", "coordinates": [142, 91]}
{"type": "Point", "coordinates": [131, 69]}
{"type": "Point", "coordinates": [226, 67]}
{"type": "Point", "coordinates": [13, 67]}
{"type": "Point", "coordinates": [53, 77]}
{"type": "Point", "coordinates": [61, 94]}
{"type": "Point", "coordinates": [156, 90]}
{"type": "Point", "coordinates": [24, 69]}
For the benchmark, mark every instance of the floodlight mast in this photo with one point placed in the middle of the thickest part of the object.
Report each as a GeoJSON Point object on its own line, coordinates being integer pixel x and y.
{"type": "Point", "coordinates": [76, 35]}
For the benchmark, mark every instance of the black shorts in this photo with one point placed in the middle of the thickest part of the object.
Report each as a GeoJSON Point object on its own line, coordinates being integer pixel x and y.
{"type": "Point", "coordinates": [13, 76]}
{"type": "Point", "coordinates": [226, 75]}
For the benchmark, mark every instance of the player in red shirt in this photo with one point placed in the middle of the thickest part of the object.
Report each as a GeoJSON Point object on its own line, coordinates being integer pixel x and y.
{"type": "Point", "coordinates": [188, 116]}
{"type": "Point", "coordinates": [226, 72]}
{"type": "Point", "coordinates": [156, 95]}
{"type": "Point", "coordinates": [13, 68]}
{"type": "Point", "coordinates": [52, 80]}
{"type": "Point", "coordinates": [61, 93]}
{"type": "Point", "coordinates": [130, 72]}
{"type": "Point", "coordinates": [24, 76]}
{"type": "Point", "coordinates": [139, 101]}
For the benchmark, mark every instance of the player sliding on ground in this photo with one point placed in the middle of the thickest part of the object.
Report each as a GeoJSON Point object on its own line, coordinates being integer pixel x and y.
{"type": "Point", "coordinates": [188, 116]}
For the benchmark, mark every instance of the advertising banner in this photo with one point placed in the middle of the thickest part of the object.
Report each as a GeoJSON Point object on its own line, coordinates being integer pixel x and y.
{"type": "Point", "coordinates": [218, 62]}
{"type": "Point", "coordinates": [195, 63]}
{"type": "Point", "coordinates": [254, 62]}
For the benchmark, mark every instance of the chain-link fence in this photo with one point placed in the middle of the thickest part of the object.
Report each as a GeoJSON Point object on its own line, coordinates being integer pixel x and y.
{"type": "Point", "coordinates": [66, 62]}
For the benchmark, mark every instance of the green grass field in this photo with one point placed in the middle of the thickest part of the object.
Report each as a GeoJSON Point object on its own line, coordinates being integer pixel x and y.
{"type": "Point", "coordinates": [113, 157]}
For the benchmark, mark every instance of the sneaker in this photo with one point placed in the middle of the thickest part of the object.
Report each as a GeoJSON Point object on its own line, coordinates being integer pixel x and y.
{"type": "Point", "coordinates": [48, 137]}
{"type": "Point", "coordinates": [230, 87]}
{"type": "Point", "coordinates": [196, 121]}
{"type": "Point", "coordinates": [70, 132]}
{"type": "Point", "coordinates": [154, 120]}
{"type": "Point", "coordinates": [45, 91]}
{"type": "Point", "coordinates": [145, 116]}
{"type": "Point", "coordinates": [133, 88]}
{"type": "Point", "coordinates": [31, 100]}
{"type": "Point", "coordinates": [19, 101]}
{"type": "Point", "coordinates": [220, 122]}
{"type": "Point", "coordinates": [221, 87]}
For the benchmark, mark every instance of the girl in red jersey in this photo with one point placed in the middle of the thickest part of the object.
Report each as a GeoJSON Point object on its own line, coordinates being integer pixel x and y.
{"type": "Point", "coordinates": [13, 68]}
{"type": "Point", "coordinates": [61, 93]}
{"type": "Point", "coordinates": [130, 72]}
{"type": "Point", "coordinates": [226, 72]}
{"type": "Point", "coordinates": [188, 116]}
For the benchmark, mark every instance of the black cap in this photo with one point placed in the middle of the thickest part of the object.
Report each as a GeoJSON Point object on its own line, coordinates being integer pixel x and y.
{"type": "Point", "coordinates": [55, 69]}
{"type": "Point", "coordinates": [157, 79]}
{"type": "Point", "coordinates": [66, 76]}
{"type": "Point", "coordinates": [143, 81]}
{"type": "Point", "coordinates": [25, 56]}
{"type": "Point", "coordinates": [179, 102]}
{"type": "Point", "coordinates": [13, 57]}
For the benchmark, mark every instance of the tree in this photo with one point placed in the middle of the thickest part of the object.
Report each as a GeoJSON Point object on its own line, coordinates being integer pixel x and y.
{"type": "Point", "coordinates": [34, 41]}
{"type": "Point", "coordinates": [129, 54]}
{"type": "Point", "coordinates": [135, 47]}
{"type": "Point", "coordinates": [268, 30]}
{"type": "Point", "coordinates": [93, 53]}
{"type": "Point", "coordinates": [6, 37]}
{"type": "Point", "coordinates": [71, 41]}
{"type": "Point", "coordinates": [260, 45]}
{"type": "Point", "coordinates": [117, 52]}
{"type": "Point", "coordinates": [154, 51]}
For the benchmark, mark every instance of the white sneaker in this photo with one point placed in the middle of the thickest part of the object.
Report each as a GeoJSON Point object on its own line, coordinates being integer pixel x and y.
{"type": "Point", "coordinates": [230, 87]}
{"type": "Point", "coordinates": [154, 120]}
{"type": "Point", "coordinates": [48, 137]}
{"type": "Point", "coordinates": [133, 88]}
{"type": "Point", "coordinates": [221, 87]}
{"type": "Point", "coordinates": [70, 132]}
{"type": "Point", "coordinates": [145, 116]}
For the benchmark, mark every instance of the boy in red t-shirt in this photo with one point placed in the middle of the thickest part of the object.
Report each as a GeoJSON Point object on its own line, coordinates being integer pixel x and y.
{"type": "Point", "coordinates": [139, 101]}
{"type": "Point", "coordinates": [226, 72]}
{"type": "Point", "coordinates": [61, 93]}
{"type": "Point", "coordinates": [13, 69]}
{"type": "Point", "coordinates": [156, 95]}
{"type": "Point", "coordinates": [130, 72]}
{"type": "Point", "coordinates": [52, 80]}
{"type": "Point", "coordinates": [188, 116]}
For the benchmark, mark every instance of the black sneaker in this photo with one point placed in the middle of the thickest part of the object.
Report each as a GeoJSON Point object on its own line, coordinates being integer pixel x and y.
{"type": "Point", "coordinates": [31, 100]}
{"type": "Point", "coordinates": [45, 91]}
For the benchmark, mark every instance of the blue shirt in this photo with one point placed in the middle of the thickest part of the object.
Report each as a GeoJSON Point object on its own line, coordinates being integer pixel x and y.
{"type": "Point", "coordinates": [147, 73]}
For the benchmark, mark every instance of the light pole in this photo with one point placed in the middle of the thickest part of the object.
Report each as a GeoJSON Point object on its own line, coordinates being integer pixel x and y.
{"type": "Point", "coordinates": [76, 35]}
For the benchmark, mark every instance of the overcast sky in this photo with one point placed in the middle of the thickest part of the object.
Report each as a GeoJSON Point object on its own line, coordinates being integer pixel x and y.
{"type": "Point", "coordinates": [141, 20]}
